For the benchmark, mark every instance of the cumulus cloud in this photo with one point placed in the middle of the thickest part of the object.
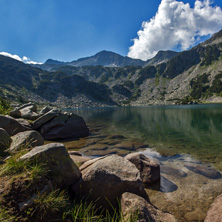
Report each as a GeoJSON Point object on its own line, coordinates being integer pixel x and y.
{"type": "Point", "coordinates": [176, 24]}
{"type": "Point", "coordinates": [23, 59]}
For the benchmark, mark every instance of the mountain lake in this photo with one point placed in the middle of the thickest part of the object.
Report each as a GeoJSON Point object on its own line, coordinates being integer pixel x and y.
{"type": "Point", "coordinates": [186, 140]}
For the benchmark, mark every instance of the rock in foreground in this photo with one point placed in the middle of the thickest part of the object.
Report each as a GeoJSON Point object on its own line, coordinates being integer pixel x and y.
{"type": "Point", "coordinates": [106, 179]}
{"type": "Point", "coordinates": [63, 171]}
{"type": "Point", "coordinates": [27, 139]}
{"type": "Point", "coordinates": [149, 170]}
{"type": "Point", "coordinates": [5, 140]}
{"type": "Point", "coordinates": [136, 207]}
{"type": "Point", "coordinates": [11, 125]}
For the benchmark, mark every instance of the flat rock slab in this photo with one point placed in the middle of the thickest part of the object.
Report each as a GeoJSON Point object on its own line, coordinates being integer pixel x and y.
{"type": "Point", "coordinates": [132, 146]}
{"type": "Point", "coordinates": [172, 171]}
{"type": "Point", "coordinates": [203, 170]}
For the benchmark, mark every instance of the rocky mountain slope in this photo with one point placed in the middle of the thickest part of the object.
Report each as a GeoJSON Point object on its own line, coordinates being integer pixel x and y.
{"type": "Point", "coordinates": [190, 76]}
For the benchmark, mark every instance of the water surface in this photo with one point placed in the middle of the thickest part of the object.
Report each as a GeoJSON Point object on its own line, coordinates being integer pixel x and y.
{"type": "Point", "coordinates": [175, 136]}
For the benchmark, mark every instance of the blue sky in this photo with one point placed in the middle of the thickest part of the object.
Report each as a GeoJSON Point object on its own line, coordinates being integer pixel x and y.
{"type": "Point", "coordinates": [71, 29]}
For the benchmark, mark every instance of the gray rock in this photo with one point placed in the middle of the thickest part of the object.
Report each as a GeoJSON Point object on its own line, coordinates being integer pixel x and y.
{"type": "Point", "coordinates": [203, 170]}
{"type": "Point", "coordinates": [25, 123]}
{"type": "Point", "coordinates": [62, 170]}
{"type": "Point", "coordinates": [105, 179]}
{"type": "Point", "coordinates": [45, 118]}
{"type": "Point", "coordinates": [44, 110]}
{"type": "Point", "coordinates": [149, 169]}
{"type": "Point", "coordinates": [64, 126]}
{"type": "Point", "coordinates": [136, 208]}
{"type": "Point", "coordinates": [214, 214]}
{"type": "Point", "coordinates": [29, 113]}
{"type": "Point", "coordinates": [5, 140]}
{"type": "Point", "coordinates": [28, 139]}
{"type": "Point", "coordinates": [15, 113]}
{"type": "Point", "coordinates": [31, 106]}
{"type": "Point", "coordinates": [11, 125]}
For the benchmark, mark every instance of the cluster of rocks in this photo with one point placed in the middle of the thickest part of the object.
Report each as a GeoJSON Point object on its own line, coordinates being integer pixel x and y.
{"type": "Point", "coordinates": [52, 124]}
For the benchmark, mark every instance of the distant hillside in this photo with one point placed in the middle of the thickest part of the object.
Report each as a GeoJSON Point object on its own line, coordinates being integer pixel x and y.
{"type": "Point", "coordinates": [168, 78]}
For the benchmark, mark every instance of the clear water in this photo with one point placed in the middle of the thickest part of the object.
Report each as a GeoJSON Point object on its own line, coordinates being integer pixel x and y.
{"type": "Point", "coordinates": [175, 135]}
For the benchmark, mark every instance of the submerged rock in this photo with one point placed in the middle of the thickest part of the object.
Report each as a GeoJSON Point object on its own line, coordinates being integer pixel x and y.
{"type": "Point", "coordinates": [203, 170]}
{"type": "Point", "coordinates": [167, 186]}
{"type": "Point", "coordinates": [63, 172]}
{"type": "Point", "coordinates": [172, 171]}
{"type": "Point", "coordinates": [149, 169]}
{"type": "Point", "coordinates": [105, 179]}
{"type": "Point", "coordinates": [24, 140]}
{"type": "Point", "coordinates": [136, 208]}
{"type": "Point", "coordinates": [214, 214]}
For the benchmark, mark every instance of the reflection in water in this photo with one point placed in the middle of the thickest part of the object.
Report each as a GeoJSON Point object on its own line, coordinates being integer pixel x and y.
{"type": "Point", "coordinates": [191, 129]}
{"type": "Point", "coordinates": [178, 136]}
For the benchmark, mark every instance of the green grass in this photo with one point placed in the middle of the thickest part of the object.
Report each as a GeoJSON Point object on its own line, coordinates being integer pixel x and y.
{"type": "Point", "coordinates": [5, 106]}
{"type": "Point", "coordinates": [5, 216]}
{"type": "Point", "coordinates": [13, 166]}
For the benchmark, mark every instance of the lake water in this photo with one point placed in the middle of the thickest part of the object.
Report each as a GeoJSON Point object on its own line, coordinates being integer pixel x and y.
{"type": "Point", "coordinates": [175, 136]}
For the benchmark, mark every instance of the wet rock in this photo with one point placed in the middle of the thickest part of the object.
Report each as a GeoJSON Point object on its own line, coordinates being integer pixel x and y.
{"type": "Point", "coordinates": [195, 215]}
{"type": "Point", "coordinates": [172, 171]}
{"type": "Point", "coordinates": [24, 140]}
{"type": "Point", "coordinates": [11, 125]}
{"type": "Point", "coordinates": [149, 169]}
{"type": "Point", "coordinates": [131, 146]}
{"type": "Point", "coordinates": [5, 140]}
{"type": "Point", "coordinates": [214, 214]}
{"type": "Point", "coordinates": [105, 179]}
{"type": "Point", "coordinates": [117, 137]}
{"type": "Point", "coordinates": [134, 206]}
{"type": "Point", "coordinates": [45, 118]}
{"type": "Point", "coordinates": [64, 126]}
{"type": "Point", "coordinates": [167, 186]}
{"type": "Point", "coordinates": [203, 170]}
{"type": "Point", "coordinates": [63, 172]}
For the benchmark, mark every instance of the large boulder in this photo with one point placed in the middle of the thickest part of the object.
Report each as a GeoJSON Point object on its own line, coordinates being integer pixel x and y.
{"type": "Point", "coordinates": [149, 169]}
{"type": "Point", "coordinates": [11, 125]}
{"type": "Point", "coordinates": [45, 118]}
{"type": "Point", "coordinates": [5, 140]}
{"type": "Point", "coordinates": [31, 105]}
{"type": "Point", "coordinates": [136, 208]}
{"type": "Point", "coordinates": [105, 179]}
{"type": "Point", "coordinates": [27, 139]}
{"type": "Point", "coordinates": [62, 170]}
{"type": "Point", "coordinates": [214, 214]}
{"type": "Point", "coordinates": [64, 126]}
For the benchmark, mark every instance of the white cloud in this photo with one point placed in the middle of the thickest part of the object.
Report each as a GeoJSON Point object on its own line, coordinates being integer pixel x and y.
{"type": "Point", "coordinates": [23, 59]}
{"type": "Point", "coordinates": [176, 24]}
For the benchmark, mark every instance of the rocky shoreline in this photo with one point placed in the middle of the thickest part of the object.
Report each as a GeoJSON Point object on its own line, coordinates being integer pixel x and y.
{"type": "Point", "coordinates": [105, 181]}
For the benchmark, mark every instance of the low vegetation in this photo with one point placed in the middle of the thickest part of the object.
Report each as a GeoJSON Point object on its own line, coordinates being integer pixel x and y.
{"type": "Point", "coordinates": [5, 106]}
